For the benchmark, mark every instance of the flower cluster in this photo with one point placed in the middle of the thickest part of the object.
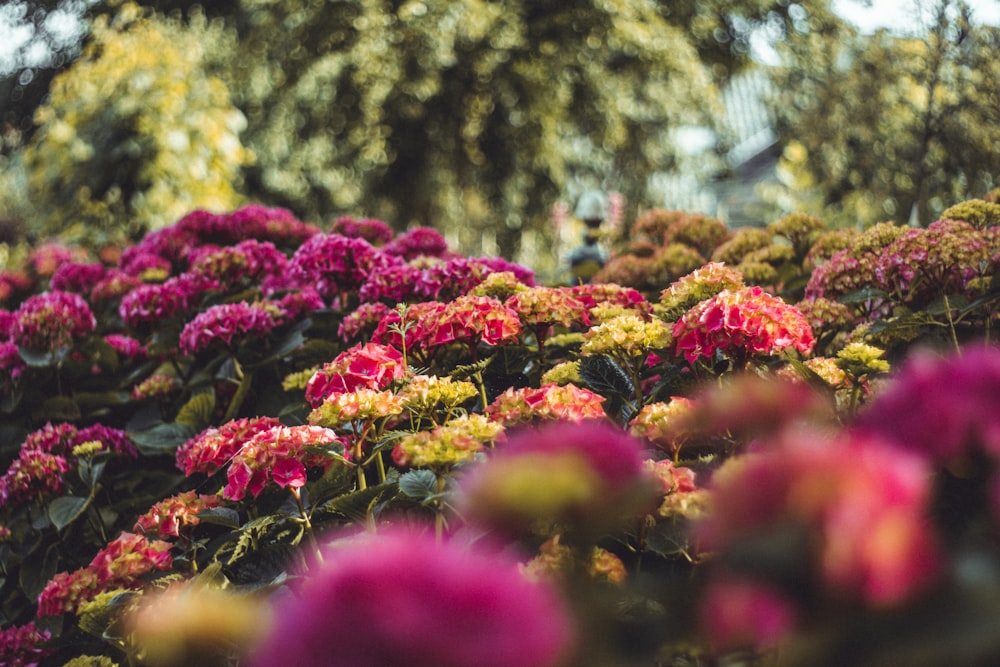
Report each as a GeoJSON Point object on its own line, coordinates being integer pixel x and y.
{"type": "Point", "coordinates": [214, 447]}
{"type": "Point", "coordinates": [363, 366]}
{"type": "Point", "coordinates": [698, 286]}
{"type": "Point", "coordinates": [681, 497]}
{"type": "Point", "coordinates": [224, 323]}
{"type": "Point", "coordinates": [151, 304]}
{"type": "Point", "coordinates": [548, 402]}
{"type": "Point", "coordinates": [423, 394]}
{"type": "Point", "coordinates": [417, 242]}
{"type": "Point", "coordinates": [359, 405]}
{"type": "Point", "coordinates": [741, 323]}
{"type": "Point", "coordinates": [77, 277]}
{"type": "Point", "coordinates": [278, 454]}
{"type": "Point", "coordinates": [123, 563]}
{"type": "Point", "coordinates": [245, 262]}
{"type": "Point", "coordinates": [333, 263]}
{"type": "Point", "coordinates": [542, 307]}
{"type": "Point", "coordinates": [169, 517]}
{"type": "Point", "coordinates": [157, 384]}
{"type": "Point", "coordinates": [375, 232]}
{"type": "Point", "coordinates": [52, 320]}
{"type": "Point", "coordinates": [627, 337]}
{"type": "Point", "coordinates": [457, 440]}
{"type": "Point", "coordinates": [452, 608]}
{"type": "Point", "coordinates": [23, 645]}
{"type": "Point", "coordinates": [666, 425]}
{"type": "Point", "coordinates": [742, 242]}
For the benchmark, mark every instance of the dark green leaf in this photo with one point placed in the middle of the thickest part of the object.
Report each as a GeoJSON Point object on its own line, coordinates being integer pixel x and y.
{"type": "Point", "coordinates": [35, 358]}
{"type": "Point", "coordinates": [67, 509]}
{"type": "Point", "coordinates": [418, 484]}
{"type": "Point", "coordinates": [862, 295]}
{"type": "Point", "coordinates": [356, 505]}
{"type": "Point", "coordinates": [60, 408]}
{"type": "Point", "coordinates": [162, 438]}
{"type": "Point", "coordinates": [220, 516]}
{"type": "Point", "coordinates": [197, 412]}
{"type": "Point", "coordinates": [91, 471]}
{"type": "Point", "coordinates": [36, 572]}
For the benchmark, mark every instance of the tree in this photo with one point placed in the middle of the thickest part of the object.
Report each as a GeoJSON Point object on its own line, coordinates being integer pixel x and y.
{"type": "Point", "coordinates": [889, 126]}
{"type": "Point", "coordinates": [471, 116]}
{"type": "Point", "coordinates": [136, 132]}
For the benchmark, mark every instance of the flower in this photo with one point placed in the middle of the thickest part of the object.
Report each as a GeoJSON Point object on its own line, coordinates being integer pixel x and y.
{"type": "Point", "coordinates": [52, 320]}
{"type": "Point", "coordinates": [364, 366]}
{"type": "Point", "coordinates": [247, 261]}
{"type": "Point", "coordinates": [667, 425]}
{"type": "Point", "coordinates": [417, 242]}
{"type": "Point", "coordinates": [501, 285]}
{"type": "Point", "coordinates": [226, 322]}
{"type": "Point", "coordinates": [361, 404]}
{"type": "Point", "coordinates": [739, 323]}
{"type": "Point", "coordinates": [458, 440]}
{"type": "Point", "coordinates": [555, 560]}
{"type": "Point", "coordinates": [738, 613]}
{"type": "Point", "coordinates": [743, 241]}
{"type": "Point", "coordinates": [277, 454]}
{"type": "Point", "coordinates": [33, 474]}
{"type": "Point", "coordinates": [541, 307]}
{"type": "Point", "coordinates": [586, 475]}
{"type": "Point", "coordinates": [123, 563]}
{"type": "Point", "coordinates": [21, 645]}
{"type": "Point", "coordinates": [680, 495]}
{"type": "Point", "coordinates": [361, 323]}
{"type": "Point", "coordinates": [450, 607]}
{"type": "Point", "coordinates": [78, 277]}
{"type": "Point", "coordinates": [126, 346]}
{"type": "Point", "coordinates": [170, 516]}
{"type": "Point", "coordinates": [858, 504]}
{"type": "Point", "coordinates": [214, 447]}
{"type": "Point", "coordinates": [627, 336]}
{"type": "Point", "coordinates": [423, 394]}
{"type": "Point", "coordinates": [150, 304]}
{"type": "Point", "coordinates": [940, 406]}
{"type": "Point", "coordinates": [697, 286]}
{"type": "Point", "coordinates": [332, 263]}
{"type": "Point", "coordinates": [548, 402]}
{"type": "Point", "coordinates": [470, 319]}
{"type": "Point", "coordinates": [157, 384]}
{"type": "Point", "coordinates": [374, 231]}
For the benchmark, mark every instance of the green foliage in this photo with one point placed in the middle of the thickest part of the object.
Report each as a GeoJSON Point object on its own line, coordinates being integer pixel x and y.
{"type": "Point", "coordinates": [136, 132]}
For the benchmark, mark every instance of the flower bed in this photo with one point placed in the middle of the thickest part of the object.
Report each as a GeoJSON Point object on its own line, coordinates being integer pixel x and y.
{"type": "Point", "coordinates": [244, 440]}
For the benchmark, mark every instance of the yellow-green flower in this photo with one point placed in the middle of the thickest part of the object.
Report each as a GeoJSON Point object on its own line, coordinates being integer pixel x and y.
{"type": "Point", "coordinates": [425, 393]}
{"type": "Point", "coordinates": [859, 359]}
{"type": "Point", "coordinates": [458, 440]}
{"type": "Point", "coordinates": [361, 404]}
{"type": "Point", "coordinates": [567, 372]}
{"type": "Point", "coordinates": [627, 336]}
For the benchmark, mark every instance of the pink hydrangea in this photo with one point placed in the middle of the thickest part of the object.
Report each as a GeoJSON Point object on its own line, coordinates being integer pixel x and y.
{"type": "Point", "coordinates": [11, 364]}
{"type": "Point", "coordinates": [169, 517]}
{"type": "Point", "coordinates": [739, 614]}
{"type": "Point", "coordinates": [52, 320]}
{"type": "Point", "coordinates": [151, 304]}
{"type": "Point", "coordinates": [548, 402]}
{"type": "Point", "coordinates": [374, 231]}
{"type": "Point", "coordinates": [450, 607]}
{"type": "Point", "coordinates": [46, 258]}
{"type": "Point", "coordinates": [279, 455]}
{"type": "Point", "coordinates": [363, 321]}
{"type": "Point", "coordinates": [21, 645]}
{"type": "Point", "coordinates": [214, 447]}
{"type": "Point", "coordinates": [941, 406]}
{"type": "Point", "coordinates": [246, 262]}
{"type": "Point", "coordinates": [123, 563]}
{"type": "Point", "coordinates": [473, 319]}
{"type": "Point", "coordinates": [33, 474]}
{"type": "Point", "coordinates": [417, 242]}
{"type": "Point", "coordinates": [298, 303]}
{"type": "Point", "coordinates": [334, 264]}
{"type": "Point", "coordinates": [77, 277]}
{"type": "Point", "coordinates": [739, 324]}
{"type": "Point", "coordinates": [127, 347]}
{"type": "Point", "coordinates": [420, 324]}
{"type": "Point", "coordinates": [396, 283]}
{"type": "Point", "coordinates": [253, 221]}
{"type": "Point", "coordinates": [227, 323]}
{"type": "Point", "coordinates": [367, 366]}
{"type": "Point", "coordinates": [860, 504]}
{"type": "Point", "coordinates": [113, 285]}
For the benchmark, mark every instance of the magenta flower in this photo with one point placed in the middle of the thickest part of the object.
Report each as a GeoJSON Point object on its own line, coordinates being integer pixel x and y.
{"type": "Point", "coordinates": [441, 605]}
{"type": "Point", "coordinates": [473, 319]}
{"type": "Point", "coordinates": [214, 447]}
{"type": "Point", "coordinates": [21, 645]}
{"type": "Point", "coordinates": [396, 283]}
{"type": "Point", "coordinates": [144, 264]}
{"type": "Point", "coordinates": [248, 261]}
{"type": "Point", "coordinates": [741, 323]}
{"type": "Point", "coordinates": [276, 225]}
{"type": "Point", "coordinates": [367, 366]}
{"type": "Point", "coordinates": [227, 323]}
{"type": "Point", "coordinates": [374, 231]}
{"type": "Point", "coordinates": [11, 365]}
{"type": "Point", "coordinates": [277, 454]}
{"type": "Point", "coordinates": [52, 320]}
{"type": "Point", "coordinates": [77, 277]}
{"type": "Point", "coordinates": [151, 304]}
{"type": "Point", "coordinates": [417, 242]}
{"type": "Point", "coordinates": [334, 264]}
{"type": "Point", "coordinates": [744, 614]}
{"type": "Point", "coordinates": [860, 505]}
{"type": "Point", "coordinates": [299, 303]}
{"type": "Point", "coordinates": [33, 474]}
{"type": "Point", "coordinates": [127, 347]}
{"type": "Point", "coordinates": [113, 285]}
{"type": "Point", "coordinates": [941, 407]}
{"type": "Point", "coordinates": [361, 324]}
{"type": "Point", "coordinates": [548, 402]}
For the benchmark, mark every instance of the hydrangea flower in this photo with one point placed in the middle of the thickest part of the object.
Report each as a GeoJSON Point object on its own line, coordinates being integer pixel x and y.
{"type": "Point", "coordinates": [376, 232]}
{"type": "Point", "coordinates": [555, 560]}
{"type": "Point", "coordinates": [681, 497]}
{"type": "Point", "coordinates": [395, 283]}
{"type": "Point", "coordinates": [22, 645]}
{"type": "Point", "coordinates": [157, 384]}
{"type": "Point", "coordinates": [52, 320]}
{"type": "Point", "coordinates": [33, 474]}
{"type": "Point", "coordinates": [359, 405]}
{"type": "Point", "coordinates": [585, 476]}
{"type": "Point", "coordinates": [113, 285]}
{"type": "Point", "coordinates": [452, 607]}
{"type": "Point", "coordinates": [246, 262]}
{"type": "Point", "coordinates": [539, 308]}
{"type": "Point", "coordinates": [697, 286]}
{"type": "Point", "coordinates": [361, 323]}
{"type": "Point", "coordinates": [123, 563]}
{"type": "Point", "coordinates": [127, 347]}
{"type": "Point", "coordinates": [739, 324]}
{"type": "Point", "coordinates": [364, 366]}
{"type": "Point", "coordinates": [334, 264]}
{"type": "Point", "coordinates": [740, 613]}
{"type": "Point", "coordinates": [77, 277]}
{"type": "Point", "coordinates": [593, 294]}
{"type": "Point", "coordinates": [501, 285]}
{"type": "Point", "coordinates": [455, 441]}
{"type": "Point", "coordinates": [666, 425]}
{"type": "Point", "coordinates": [278, 455]}
{"type": "Point", "coordinates": [170, 516]}
{"type": "Point", "coordinates": [151, 304]}
{"type": "Point", "coordinates": [214, 447]}
{"type": "Point", "coordinates": [548, 402]}
{"type": "Point", "coordinates": [417, 242]}
{"type": "Point", "coordinates": [627, 337]}
{"type": "Point", "coordinates": [743, 240]}
{"type": "Point", "coordinates": [424, 394]}
{"type": "Point", "coordinates": [225, 323]}
{"type": "Point", "coordinates": [472, 319]}
{"type": "Point", "coordinates": [861, 503]}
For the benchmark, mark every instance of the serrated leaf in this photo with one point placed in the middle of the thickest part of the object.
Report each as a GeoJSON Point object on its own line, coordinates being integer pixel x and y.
{"type": "Point", "coordinates": [356, 505]}
{"type": "Point", "coordinates": [466, 371]}
{"type": "Point", "coordinates": [162, 438]}
{"type": "Point", "coordinates": [67, 509]}
{"type": "Point", "coordinates": [418, 484]}
{"type": "Point", "coordinates": [197, 412]}
{"type": "Point", "coordinates": [602, 375]}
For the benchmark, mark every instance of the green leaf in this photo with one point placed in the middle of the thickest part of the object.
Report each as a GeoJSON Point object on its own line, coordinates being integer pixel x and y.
{"type": "Point", "coordinates": [91, 471]}
{"type": "Point", "coordinates": [862, 295]}
{"type": "Point", "coordinates": [220, 516]}
{"type": "Point", "coordinates": [602, 375]}
{"type": "Point", "coordinates": [197, 412]}
{"type": "Point", "coordinates": [36, 359]}
{"type": "Point", "coordinates": [162, 438]}
{"type": "Point", "coordinates": [67, 509]}
{"type": "Point", "coordinates": [60, 408]}
{"type": "Point", "coordinates": [357, 505]}
{"type": "Point", "coordinates": [419, 484]}
{"type": "Point", "coordinates": [36, 572]}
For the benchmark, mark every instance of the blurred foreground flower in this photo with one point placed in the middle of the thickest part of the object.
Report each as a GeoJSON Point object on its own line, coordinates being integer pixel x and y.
{"type": "Point", "coordinates": [401, 599]}
{"type": "Point", "coordinates": [22, 645]}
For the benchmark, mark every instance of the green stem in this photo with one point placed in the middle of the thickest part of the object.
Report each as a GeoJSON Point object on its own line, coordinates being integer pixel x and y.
{"type": "Point", "coordinates": [246, 379]}
{"type": "Point", "coordinates": [951, 325]}
{"type": "Point", "coordinates": [478, 376]}
{"type": "Point", "coordinates": [306, 523]}
{"type": "Point", "coordinates": [438, 509]}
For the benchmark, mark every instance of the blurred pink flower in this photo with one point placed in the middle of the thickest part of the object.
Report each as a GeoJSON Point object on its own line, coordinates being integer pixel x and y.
{"type": "Point", "coordinates": [33, 474]}
{"type": "Point", "coordinates": [77, 277]}
{"type": "Point", "coordinates": [22, 645]}
{"type": "Point", "coordinates": [151, 304]}
{"type": "Point", "coordinates": [52, 320]}
{"type": "Point", "coordinates": [400, 599]}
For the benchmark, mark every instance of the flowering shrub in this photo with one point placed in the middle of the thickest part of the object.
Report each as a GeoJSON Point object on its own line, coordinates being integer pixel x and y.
{"type": "Point", "coordinates": [244, 440]}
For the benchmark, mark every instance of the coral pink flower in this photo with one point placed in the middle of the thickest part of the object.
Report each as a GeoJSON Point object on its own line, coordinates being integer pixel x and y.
{"type": "Point", "coordinates": [52, 320]}
{"type": "Point", "coordinates": [442, 606]}
{"type": "Point", "coordinates": [367, 366]}
{"type": "Point", "coordinates": [860, 503]}
{"type": "Point", "coordinates": [277, 454]}
{"type": "Point", "coordinates": [334, 264]}
{"type": "Point", "coordinates": [214, 447]}
{"type": "Point", "coordinates": [170, 516]}
{"type": "Point", "coordinates": [741, 323]}
{"type": "Point", "coordinates": [374, 231]}
{"type": "Point", "coordinates": [225, 324]}
{"type": "Point", "coordinates": [126, 346]}
{"type": "Point", "coordinates": [418, 242]}
{"type": "Point", "coordinates": [549, 402]}
{"type": "Point", "coordinates": [473, 319]}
